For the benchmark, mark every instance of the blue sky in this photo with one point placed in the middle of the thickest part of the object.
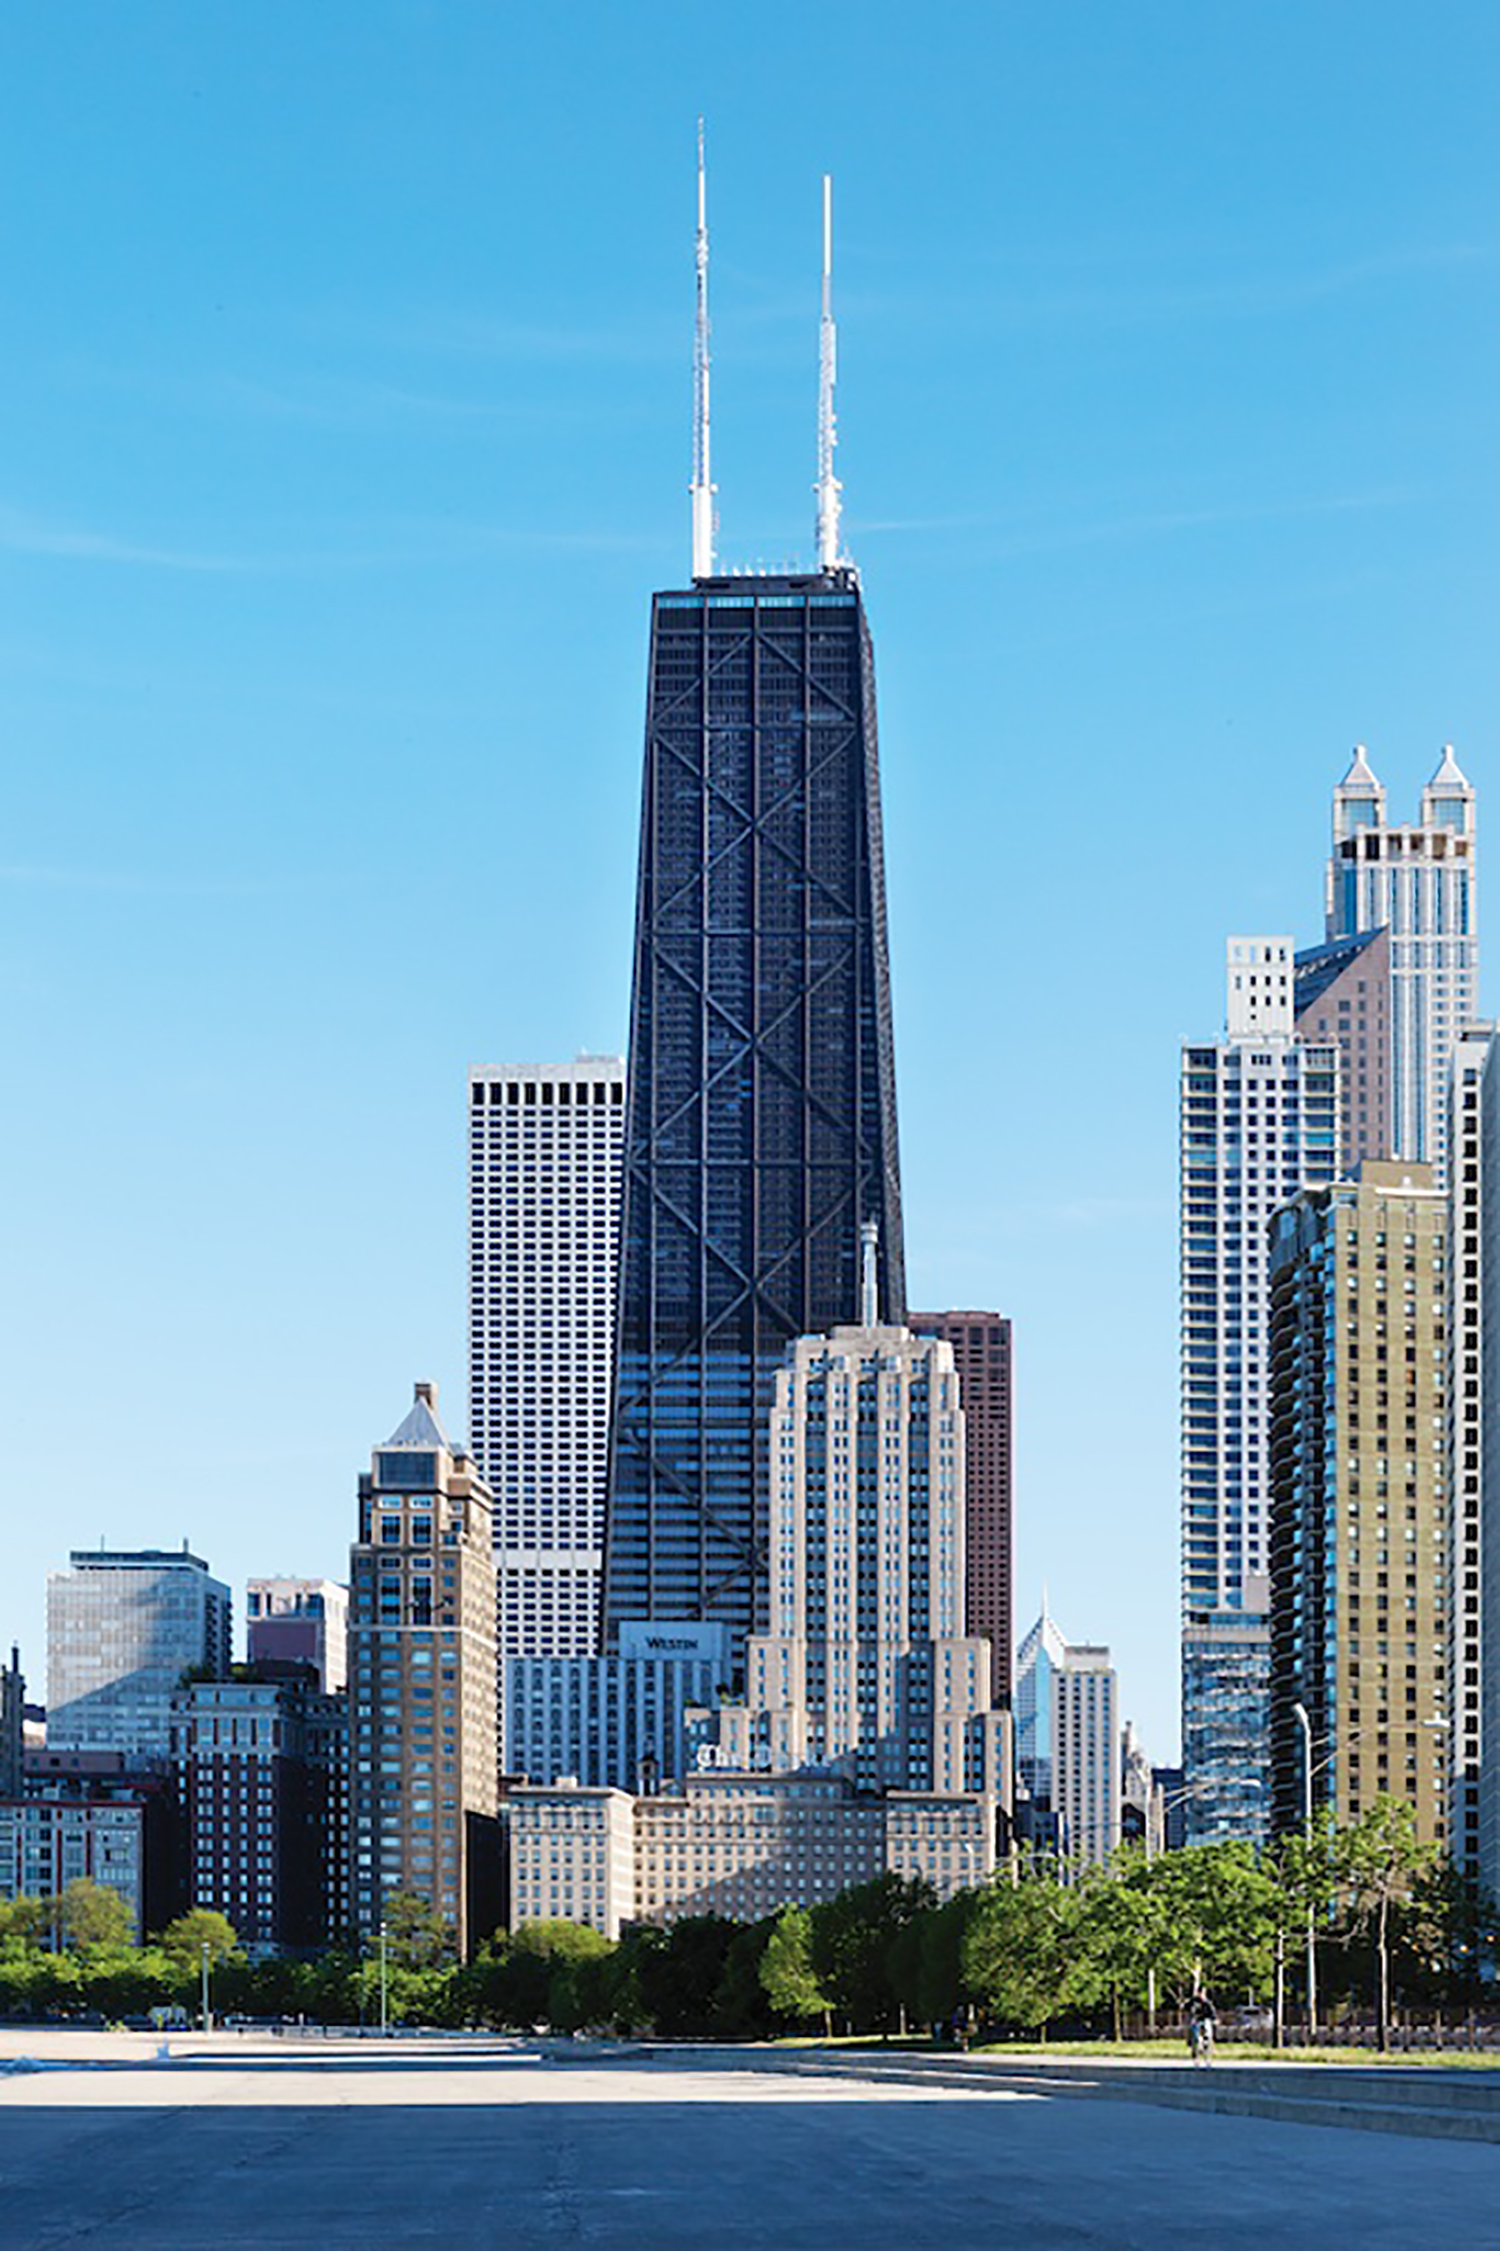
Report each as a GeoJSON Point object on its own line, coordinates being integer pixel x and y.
{"type": "Point", "coordinates": [343, 436]}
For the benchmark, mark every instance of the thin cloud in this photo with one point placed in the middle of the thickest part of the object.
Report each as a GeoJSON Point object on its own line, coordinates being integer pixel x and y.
{"type": "Point", "coordinates": [29, 535]}
{"type": "Point", "coordinates": [138, 883]}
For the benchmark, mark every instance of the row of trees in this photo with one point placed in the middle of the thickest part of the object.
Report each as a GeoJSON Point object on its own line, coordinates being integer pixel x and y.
{"type": "Point", "coordinates": [884, 1956]}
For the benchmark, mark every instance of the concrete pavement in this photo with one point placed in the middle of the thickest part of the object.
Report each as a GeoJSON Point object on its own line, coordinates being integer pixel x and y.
{"type": "Point", "coordinates": [241, 2141]}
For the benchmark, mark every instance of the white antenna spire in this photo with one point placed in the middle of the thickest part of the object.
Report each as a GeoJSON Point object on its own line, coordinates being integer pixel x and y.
{"type": "Point", "coordinates": [702, 486]}
{"type": "Point", "coordinates": [869, 1236]}
{"type": "Point", "coordinates": [827, 487]}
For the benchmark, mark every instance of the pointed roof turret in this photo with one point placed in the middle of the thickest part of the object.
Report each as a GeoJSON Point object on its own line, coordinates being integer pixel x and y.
{"type": "Point", "coordinates": [1359, 777]}
{"type": "Point", "coordinates": [421, 1426]}
{"type": "Point", "coordinates": [1450, 777]}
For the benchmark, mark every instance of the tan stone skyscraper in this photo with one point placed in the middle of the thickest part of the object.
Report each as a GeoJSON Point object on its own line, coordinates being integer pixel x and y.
{"type": "Point", "coordinates": [422, 1682]}
{"type": "Point", "coordinates": [1359, 1505]}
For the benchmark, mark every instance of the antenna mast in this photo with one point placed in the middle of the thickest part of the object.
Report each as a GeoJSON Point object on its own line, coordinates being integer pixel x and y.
{"type": "Point", "coordinates": [827, 487]}
{"type": "Point", "coordinates": [702, 486]}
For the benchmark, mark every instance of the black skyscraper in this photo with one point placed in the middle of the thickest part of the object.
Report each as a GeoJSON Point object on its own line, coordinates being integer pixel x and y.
{"type": "Point", "coordinates": [762, 1110]}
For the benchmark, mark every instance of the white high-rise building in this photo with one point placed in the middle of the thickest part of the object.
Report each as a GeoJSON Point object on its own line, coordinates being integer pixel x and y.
{"type": "Point", "coordinates": [1416, 880]}
{"type": "Point", "coordinates": [866, 1669]}
{"type": "Point", "coordinates": [1067, 1745]}
{"type": "Point", "coordinates": [123, 1626]}
{"type": "Point", "coordinates": [545, 1152]}
{"type": "Point", "coordinates": [1260, 1120]}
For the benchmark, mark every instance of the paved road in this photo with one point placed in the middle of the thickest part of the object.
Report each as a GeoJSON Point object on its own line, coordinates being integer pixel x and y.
{"type": "Point", "coordinates": [240, 2143]}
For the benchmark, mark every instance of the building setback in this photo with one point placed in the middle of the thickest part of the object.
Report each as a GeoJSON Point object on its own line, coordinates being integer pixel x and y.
{"type": "Point", "coordinates": [1260, 1121]}
{"type": "Point", "coordinates": [761, 1118]}
{"type": "Point", "coordinates": [981, 1345]}
{"type": "Point", "coordinates": [545, 1147]}
{"type": "Point", "coordinates": [422, 1682]}
{"type": "Point", "coordinates": [1359, 1496]}
{"type": "Point", "coordinates": [300, 1622]}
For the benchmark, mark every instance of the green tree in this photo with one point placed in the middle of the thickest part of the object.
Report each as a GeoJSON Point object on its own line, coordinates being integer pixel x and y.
{"type": "Point", "coordinates": [787, 1975]}
{"type": "Point", "coordinates": [853, 1947]}
{"type": "Point", "coordinates": [1017, 1951]}
{"type": "Point", "coordinates": [92, 1915]}
{"type": "Point", "coordinates": [1379, 1863]}
{"type": "Point", "coordinates": [1215, 1920]}
{"type": "Point", "coordinates": [415, 1934]}
{"type": "Point", "coordinates": [184, 1939]}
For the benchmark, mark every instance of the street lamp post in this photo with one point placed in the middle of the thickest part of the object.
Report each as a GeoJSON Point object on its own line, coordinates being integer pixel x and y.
{"type": "Point", "coordinates": [384, 2013]}
{"type": "Point", "coordinates": [203, 1959]}
{"type": "Point", "coordinates": [1299, 1714]}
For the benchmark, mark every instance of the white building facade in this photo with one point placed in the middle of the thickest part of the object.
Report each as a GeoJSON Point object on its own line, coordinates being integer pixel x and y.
{"type": "Point", "coordinates": [738, 1845]}
{"type": "Point", "coordinates": [1260, 1119]}
{"type": "Point", "coordinates": [1416, 880]}
{"type": "Point", "coordinates": [545, 1153]}
{"type": "Point", "coordinates": [866, 1669]}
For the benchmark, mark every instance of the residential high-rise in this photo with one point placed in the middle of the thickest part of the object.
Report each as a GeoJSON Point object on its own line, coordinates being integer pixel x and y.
{"type": "Point", "coordinates": [122, 1628]}
{"type": "Point", "coordinates": [1471, 1258]}
{"type": "Point", "coordinates": [982, 1357]}
{"type": "Point", "coordinates": [1068, 1746]}
{"type": "Point", "coordinates": [422, 1682]}
{"type": "Point", "coordinates": [545, 1146]}
{"type": "Point", "coordinates": [1487, 1190]}
{"type": "Point", "coordinates": [1343, 994]}
{"type": "Point", "coordinates": [263, 1783]}
{"type": "Point", "coordinates": [1417, 880]}
{"type": "Point", "coordinates": [1260, 1121]}
{"type": "Point", "coordinates": [1359, 1511]}
{"type": "Point", "coordinates": [866, 1668]}
{"type": "Point", "coordinates": [761, 1125]}
{"type": "Point", "coordinates": [300, 1622]}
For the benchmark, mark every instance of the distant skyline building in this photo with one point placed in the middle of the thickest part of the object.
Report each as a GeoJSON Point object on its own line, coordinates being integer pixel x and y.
{"type": "Point", "coordinates": [1418, 880]}
{"type": "Point", "coordinates": [1359, 1511]}
{"type": "Point", "coordinates": [982, 1357]}
{"type": "Point", "coordinates": [740, 1845]}
{"type": "Point", "coordinates": [545, 1149]}
{"type": "Point", "coordinates": [299, 1622]}
{"type": "Point", "coordinates": [123, 1625]}
{"type": "Point", "coordinates": [1260, 1119]}
{"type": "Point", "coordinates": [866, 1669]}
{"type": "Point", "coordinates": [618, 1721]}
{"type": "Point", "coordinates": [262, 1770]}
{"type": "Point", "coordinates": [1069, 1746]}
{"type": "Point", "coordinates": [1473, 1257]}
{"type": "Point", "coordinates": [761, 1126]}
{"type": "Point", "coordinates": [1487, 1279]}
{"type": "Point", "coordinates": [1342, 993]}
{"type": "Point", "coordinates": [762, 1111]}
{"type": "Point", "coordinates": [422, 1682]}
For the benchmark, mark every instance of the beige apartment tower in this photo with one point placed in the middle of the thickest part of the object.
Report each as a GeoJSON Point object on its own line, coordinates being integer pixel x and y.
{"type": "Point", "coordinates": [1359, 1500]}
{"type": "Point", "coordinates": [422, 1683]}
